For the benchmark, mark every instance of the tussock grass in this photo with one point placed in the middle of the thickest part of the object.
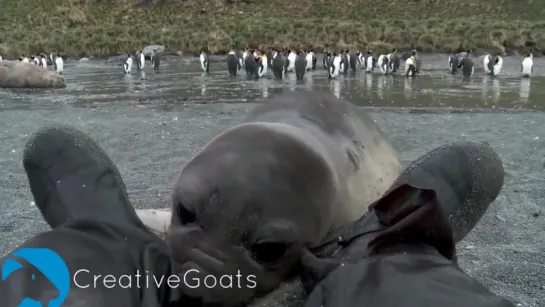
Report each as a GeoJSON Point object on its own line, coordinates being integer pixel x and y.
{"type": "Point", "coordinates": [117, 26]}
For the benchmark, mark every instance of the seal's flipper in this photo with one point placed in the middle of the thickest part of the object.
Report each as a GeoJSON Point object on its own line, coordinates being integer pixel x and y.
{"type": "Point", "coordinates": [157, 221]}
{"type": "Point", "coordinates": [71, 177]}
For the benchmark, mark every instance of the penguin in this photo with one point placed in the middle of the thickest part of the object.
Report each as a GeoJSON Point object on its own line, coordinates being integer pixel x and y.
{"type": "Point", "coordinates": [24, 59]}
{"type": "Point", "coordinates": [292, 56]}
{"type": "Point", "coordinates": [314, 60]}
{"type": "Point", "coordinates": [262, 64]}
{"type": "Point", "coordinates": [44, 61]}
{"type": "Point", "coordinates": [393, 61]}
{"type": "Point", "coordinates": [410, 65]}
{"type": "Point", "coordinates": [467, 66]}
{"type": "Point", "coordinates": [354, 60]}
{"type": "Point", "coordinates": [453, 62]}
{"type": "Point", "coordinates": [233, 64]}
{"type": "Point", "coordinates": [301, 65]}
{"type": "Point", "coordinates": [155, 59]}
{"type": "Point", "coordinates": [250, 64]}
{"type": "Point", "coordinates": [269, 55]}
{"type": "Point", "coordinates": [244, 56]}
{"type": "Point", "coordinates": [1, 58]}
{"type": "Point", "coordinates": [370, 62]}
{"type": "Point", "coordinates": [326, 60]}
{"type": "Point", "coordinates": [127, 66]}
{"type": "Point", "coordinates": [309, 59]}
{"type": "Point", "coordinates": [362, 59]}
{"type": "Point", "coordinates": [346, 62]}
{"type": "Point", "coordinates": [277, 64]}
{"type": "Point", "coordinates": [382, 64]}
{"type": "Point", "coordinates": [204, 62]}
{"type": "Point", "coordinates": [417, 60]}
{"type": "Point", "coordinates": [142, 60]}
{"type": "Point", "coordinates": [335, 66]}
{"type": "Point", "coordinates": [527, 66]}
{"type": "Point", "coordinates": [59, 64]}
{"type": "Point", "coordinates": [36, 60]}
{"type": "Point", "coordinates": [493, 64]}
{"type": "Point", "coordinates": [240, 57]}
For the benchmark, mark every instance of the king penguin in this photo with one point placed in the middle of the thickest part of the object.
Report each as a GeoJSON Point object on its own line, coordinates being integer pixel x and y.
{"type": "Point", "coordinates": [204, 62]}
{"type": "Point", "coordinates": [300, 65]}
{"type": "Point", "coordinates": [43, 61]}
{"type": "Point", "coordinates": [233, 64]}
{"type": "Point", "coordinates": [127, 66]}
{"type": "Point", "coordinates": [468, 68]}
{"type": "Point", "coordinates": [292, 56]}
{"type": "Point", "coordinates": [353, 58]}
{"type": "Point", "coordinates": [250, 64]}
{"type": "Point", "coordinates": [394, 61]}
{"type": "Point", "coordinates": [269, 55]}
{"type": "Point", "coordinates": [142, 60]}
{"type": "Point", "coordinates": [410, 65]}
{"type": "Point", "coordinates": [370, 62]}
{"type": "Point", "coordinates": [24, 59]}
{"type": "Point", "coordinates": [326, 59]}
{"type": "Point", "coordinates": [527, 66]}
{"type": "Point", "coordinates": [346, 62]}
{"type": "Point", "coordinates": [277, 64]}
{"type": "Point", "coordinates": [453, 62]}
{"type": "Point", "coordinates": [59, 64]}
{"type": "Point", "coordinates": [309, 57]}
{"type": "Point", "coordinates": [155, 59]}
{"type": "Point", "coordinates": [262, 64]}
{"type": "Point", "coordinates": [335, 66]}
{"type": "Point", "coordinates": [383, 65]}
{"type": "Point", "coordinates": [493, 64]}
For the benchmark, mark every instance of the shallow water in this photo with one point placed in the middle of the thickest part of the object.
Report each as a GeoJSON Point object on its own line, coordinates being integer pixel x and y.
{"type": "Point", "coordinates": [152, 126]}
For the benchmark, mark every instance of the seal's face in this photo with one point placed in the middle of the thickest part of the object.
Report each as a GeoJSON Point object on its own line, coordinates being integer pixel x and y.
{"type": "Point", "coordinates": [243, 210]}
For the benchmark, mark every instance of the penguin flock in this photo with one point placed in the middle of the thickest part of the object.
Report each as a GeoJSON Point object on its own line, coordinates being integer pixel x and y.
{"type": "Point", "coordinates": [256, 63]}
{"type": "Point", "coordinates": [492, 64]}
{"type": "Point", "coordinates": [140, 59]}
{"type": "Point", "coordinates": [44, 60]}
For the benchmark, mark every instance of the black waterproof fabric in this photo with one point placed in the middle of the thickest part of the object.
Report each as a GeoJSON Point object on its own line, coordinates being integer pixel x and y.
{"type": "Point", "coordinates": [401, 253]}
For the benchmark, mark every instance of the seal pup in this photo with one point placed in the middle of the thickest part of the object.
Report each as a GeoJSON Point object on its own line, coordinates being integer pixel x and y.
{"type": "Point", "coordinates": [277, 64]}
{"type": "Point", "coordinates": [301, 65]}
{"type": "Point", "coordinates": [526, 68]}
{"type": "Point", "coordinates": [410, 66]}
{"type": "Point", "coordinates": [335, 66]}
{"type": "Point", "coordinates": [127, 66]}
{"type": "Point", "coordinates": [204, 62]}
{"type": "Point", "coordinates": [468, 68]}
{"type": "Point", "coordinates": [59, 64]}
{"type": "Point", "coordinates": [233, 64]}
{"type": "Point", "coordinates": [155, 59]}
{"type": "Point", "coordinates": [261, 192]}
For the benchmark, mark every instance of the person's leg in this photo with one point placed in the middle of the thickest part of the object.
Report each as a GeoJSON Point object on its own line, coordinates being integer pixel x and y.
{"type": "Point", "coordinates": [95, 232]}
{"type": "Point", "coordinates": [71, 177]}
{"type": "Point", "coordinates": [402, 252]}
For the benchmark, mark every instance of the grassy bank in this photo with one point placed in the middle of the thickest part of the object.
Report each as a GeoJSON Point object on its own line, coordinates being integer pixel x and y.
{"type": "Point", "coordinates": [118, 26]}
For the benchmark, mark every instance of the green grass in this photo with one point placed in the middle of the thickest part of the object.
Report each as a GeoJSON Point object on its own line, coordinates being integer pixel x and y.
{"type": "Point", "coordinates": [119, 26]}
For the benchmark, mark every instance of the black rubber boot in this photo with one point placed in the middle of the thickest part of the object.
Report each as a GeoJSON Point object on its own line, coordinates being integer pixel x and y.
{"type": "Point", "coordinates": [467, 177]}
{"type": "Point", "coordinates": [71, 177]}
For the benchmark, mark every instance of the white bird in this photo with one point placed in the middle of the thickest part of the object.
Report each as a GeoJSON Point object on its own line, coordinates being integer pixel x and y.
{"type": "Point", "coordinates": [527, 67]}
{"type": "Point", "coordinates": [127, 66]}
{"type": "Point", "coordinates": [59, 64]}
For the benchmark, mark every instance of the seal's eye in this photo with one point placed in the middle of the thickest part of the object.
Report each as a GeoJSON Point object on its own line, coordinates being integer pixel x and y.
{"type": "Point", "coordinates": [186, 216]}
{"type": "Point", "coordinates": [268, 252]}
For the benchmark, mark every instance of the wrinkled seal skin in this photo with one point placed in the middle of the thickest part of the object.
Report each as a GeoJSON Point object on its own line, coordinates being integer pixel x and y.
{"type": "Point", "coordinates": [16, 74]}
{"type": "Point", "coordinates": [302, 165]}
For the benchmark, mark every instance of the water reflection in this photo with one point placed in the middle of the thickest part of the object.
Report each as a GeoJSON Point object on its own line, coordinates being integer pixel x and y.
{"type": "Point", "coordinates": [408, 88]}
{"type": "Point", "coordinates": [336, 87]}
{"type": "Point", "coordinates": [491, 89]}
{"type": "Point", "coordinates": [524, 91]}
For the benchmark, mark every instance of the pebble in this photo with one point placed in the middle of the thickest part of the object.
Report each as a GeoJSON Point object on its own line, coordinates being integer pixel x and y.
{"type": "Point", "coordinates": [499, 217]}
{"type": "Point", "coordinates": [470, 247]}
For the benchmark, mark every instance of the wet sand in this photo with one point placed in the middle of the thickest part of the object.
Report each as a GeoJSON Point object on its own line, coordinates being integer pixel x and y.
{"type": "Point", "coordinates": [152, 127]}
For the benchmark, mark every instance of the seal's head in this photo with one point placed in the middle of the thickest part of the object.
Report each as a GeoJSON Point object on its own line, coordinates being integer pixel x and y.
{"type": "Point", "coordinates": [243, 210]}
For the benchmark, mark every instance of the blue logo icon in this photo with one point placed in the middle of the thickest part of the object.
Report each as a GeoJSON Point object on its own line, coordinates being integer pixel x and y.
{"type": "Point", "coordinates": [47, 263]}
